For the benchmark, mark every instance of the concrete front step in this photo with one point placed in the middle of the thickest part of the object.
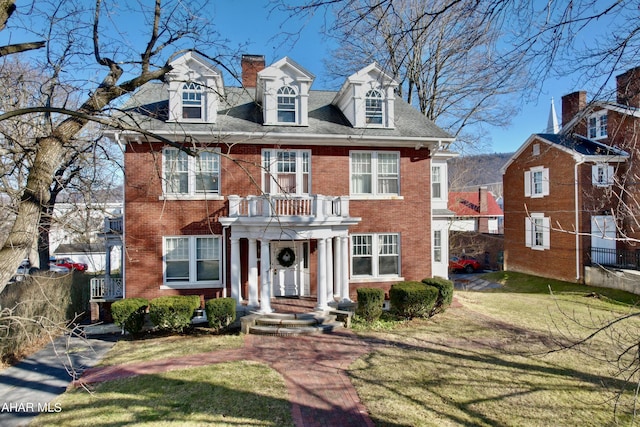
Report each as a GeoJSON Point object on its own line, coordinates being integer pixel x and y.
{"type": "Point", "coordinates": [289, 324]}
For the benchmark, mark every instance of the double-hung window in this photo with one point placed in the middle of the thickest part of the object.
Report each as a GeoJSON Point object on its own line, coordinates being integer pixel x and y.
{"type": "Point", "coordinates": [192, 260]}
{"type": "Point", "coordinates": [192, 101]}
{"type": "Point", "coordinates": [536, 182]}
{"type": "Point", "coordinates": [375, 255]}
{"type": "Point", "coordinates": [602, 175]}
{"type": "Point", "coordinates": [186, 175]}
{"type": "Point", "coordinates": [437, 245]}
{"type": "Point", "coordinates": [373, 107]}
{"type": "Point", "coordinates": [537, 231]}
{"type": "Point", "coordinates": [597, 125]}
{"type": "Point", "coordinates": [436, 182]}
{"type": "Point", "coordinates": [287, 104]}
{"type": "Point", "coordinates": [286, 171]}
{"type": "Point", "coordinates": [375, 173]}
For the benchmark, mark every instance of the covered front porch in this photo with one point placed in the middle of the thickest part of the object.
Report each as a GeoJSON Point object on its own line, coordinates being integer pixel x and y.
{"type": "Point", "coordinates": [288, 246]}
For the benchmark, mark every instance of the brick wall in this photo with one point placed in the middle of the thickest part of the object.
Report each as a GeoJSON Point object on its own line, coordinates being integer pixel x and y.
{"type": "Point", "coordinates": [148, 219]}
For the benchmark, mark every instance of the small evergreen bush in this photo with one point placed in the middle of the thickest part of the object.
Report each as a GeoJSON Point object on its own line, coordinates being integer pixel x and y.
{"type": "Point", "coordinates": [173, 313]}
{"type": "Point", "coordinates": [129, 314]}
{"type": "Point", "coordinates": [370, 302]}
{"type": "Point", "coordinates": [445, 292]}
{"type": "Point", "coordinates": [412, 299]}
{"type": "Point", "coordinates": [221, 312]}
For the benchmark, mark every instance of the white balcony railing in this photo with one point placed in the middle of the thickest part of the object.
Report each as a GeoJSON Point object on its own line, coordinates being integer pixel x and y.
{"type": "Point", "coordinates": [103, 288]}
{"type": "Point", "coordinates": [113, 225]}
{"type": "Point", "coordinates": [316, 205]}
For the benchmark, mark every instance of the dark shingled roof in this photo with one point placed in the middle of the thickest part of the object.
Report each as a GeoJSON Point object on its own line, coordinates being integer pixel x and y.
{"type": "Point", "coordinates": [582, 145]}
{"type": "Point", "coordinates": [238, 112]}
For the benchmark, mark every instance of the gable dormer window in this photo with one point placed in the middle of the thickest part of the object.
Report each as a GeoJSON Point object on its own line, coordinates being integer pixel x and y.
{"type": "Point", "coordinates": [192, 101]}
{"type": "Point", "coordinates": [287, 104]}
{"type": "Point", "coordinates": [373, 107]}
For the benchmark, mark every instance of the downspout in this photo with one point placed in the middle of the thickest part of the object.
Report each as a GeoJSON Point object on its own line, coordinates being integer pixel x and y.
{"type": "Point", "coordinates": [577, 216]}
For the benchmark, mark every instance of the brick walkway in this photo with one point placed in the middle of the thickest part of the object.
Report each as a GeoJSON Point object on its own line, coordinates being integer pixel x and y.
{"type": "Point", "coordinates": [313, 367]}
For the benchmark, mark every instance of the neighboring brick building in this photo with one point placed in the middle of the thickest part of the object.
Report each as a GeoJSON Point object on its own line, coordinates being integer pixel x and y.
{"type": "Point", "coordinates": [293, 192]}
{"type": "Point", "coordinates": [475, 211]}
{"type": "Point", "coordinates": [570, 198]}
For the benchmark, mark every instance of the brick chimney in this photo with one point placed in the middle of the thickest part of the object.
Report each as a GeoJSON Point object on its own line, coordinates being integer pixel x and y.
{"type": "Point", "coordinates": [572, 104]}
{"type": "Point", "coordinates": [251, 65]}
{"type": "Point", "coordinates": [628, 88]}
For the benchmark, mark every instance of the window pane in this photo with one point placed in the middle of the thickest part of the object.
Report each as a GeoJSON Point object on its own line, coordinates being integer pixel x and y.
{"type": "Point", "coordinates": [537, 182]}
{"type": "Point", "coordinates": [177, 259]}
{"type": "Point", "coordinates": [362, 267]}
{"type": "Point", "coordinates": [208, 270]}
{"type": "Point", "coordinates": [286, 105]}
{"type": "Point", "coordinates": [435, 182]}
{"type": "Point", "coordinates": [207, 258]}
{"type": "Point", "coordinates": [207, 174]}
{"type": "Point", "coordinates": [178, 271]}
{"type": "Point", "coordinates": [362, 256]}
{"type": "Point", "coordinates": [191, 101]}
{"type": "Point", "coordinates": [388, 265]}
{"type": "Point", "coordinates": [176, 171]}
{"type": "Point", "coordinates": [373, 107]}
{"type": "Point", "coordinates": [361, 173]}
{"type": "Point", "coordinates": [387, 173]}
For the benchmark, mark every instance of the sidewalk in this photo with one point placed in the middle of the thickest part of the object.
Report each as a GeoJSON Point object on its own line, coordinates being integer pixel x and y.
{"type": "Point", "coordinates": [27, 388]}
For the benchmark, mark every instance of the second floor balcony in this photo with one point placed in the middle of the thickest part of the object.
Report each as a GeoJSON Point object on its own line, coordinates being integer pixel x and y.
{"type": "Point", "coordinates": [313, 206]}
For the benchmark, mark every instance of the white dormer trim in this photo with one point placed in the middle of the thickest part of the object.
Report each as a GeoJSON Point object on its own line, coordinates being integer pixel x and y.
{"type": "Point", "coordinates": [193, 73]}
{"type": "Point", "coordinates": [292, 81]}
{"type": "Point", "coordinates": [352, 97]}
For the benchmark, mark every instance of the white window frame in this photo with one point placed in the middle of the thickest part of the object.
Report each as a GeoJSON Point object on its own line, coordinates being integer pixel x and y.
{"type": "Point", "coordinates": [375, 175]}
{"type": "Point", "coordinates": [191, 256]}
{"type": "Point", "coordinates": [597, 125]}
{"type": "Point", "coordinates": [437, 245]}
{"type": "Point", "coordinates": [537, 231]}
{"type": "Point", "coordinates": [376, 245]}
{"type": "Point", "coordinates": [436, 182]}
{"type": "Point", "coordinates": [374, 108]}
{"type": "Point", "coordinates": [192, 172]}
{"type": "Point", "coordinates": [533, 187]}
{"type": "Point", "coordinates": [270, 171]}
{"type": "Point", "coordinates": [602, 175]}
{"type": "Point", "coordinates": [288, 94]}
{"type": "Point", "coordinates": [196, 91]}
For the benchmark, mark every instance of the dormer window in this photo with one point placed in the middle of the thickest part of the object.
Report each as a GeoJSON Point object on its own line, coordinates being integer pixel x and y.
{"type": "Point", "coordinates": [287, 105]}
{"type": "Point", "coordinates": [373, 107]}
{"type": "Point", "coordinates": [192, 101]}
{"type": "Point", "coordinates": [598, 125]}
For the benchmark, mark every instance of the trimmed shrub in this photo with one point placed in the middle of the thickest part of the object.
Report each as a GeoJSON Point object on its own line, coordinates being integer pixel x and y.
{"type": "Point", "coordinates": [412, 299]}
{"type": "Point", "coordinates": [173, 313]}
{"type": "Point", "coordinates": [129, 314]}
{"type": "Point", "coordinates": [445, 292]}
{"type": "Point", "coordinates": [221, 312]}
{"type": "Point", "coordinates": [370, 302]}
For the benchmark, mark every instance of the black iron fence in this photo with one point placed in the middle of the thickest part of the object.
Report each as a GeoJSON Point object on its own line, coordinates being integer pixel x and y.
{"type": "Point", "coordinates": [615, 258]}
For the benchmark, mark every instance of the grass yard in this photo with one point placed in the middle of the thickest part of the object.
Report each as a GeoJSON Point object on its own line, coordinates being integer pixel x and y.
{"type": "Point", "coordinates": [501, 359]}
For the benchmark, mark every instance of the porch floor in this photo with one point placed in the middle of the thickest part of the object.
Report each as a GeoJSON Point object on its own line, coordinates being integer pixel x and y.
{"type": "Point", "coordinates": [294, 304]}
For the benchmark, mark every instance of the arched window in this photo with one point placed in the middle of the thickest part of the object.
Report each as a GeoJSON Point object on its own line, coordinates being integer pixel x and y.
{"type": "Point", "coordinates": [286, 104]}
{"type": "Point", "coordinates": [192, 101]}
{"type": "Point", "coordinates": [373, 107]}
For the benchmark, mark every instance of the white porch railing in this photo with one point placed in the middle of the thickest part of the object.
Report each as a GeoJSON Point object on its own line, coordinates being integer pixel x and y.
{"type": "Point", "coordinates": [113, 225]}
{"type": "Point", "coordinates": [271, 205]}
{"type": "Point", "coordinates": [103, 288]}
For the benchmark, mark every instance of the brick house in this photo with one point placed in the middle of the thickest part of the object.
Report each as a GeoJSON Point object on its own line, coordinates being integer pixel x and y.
{"type": "Point", "coordinates": [476, 211]}
{"type": "Point", "coordinates": [569, 203]}
{"type": "Point", "coordinates": [291, 192]}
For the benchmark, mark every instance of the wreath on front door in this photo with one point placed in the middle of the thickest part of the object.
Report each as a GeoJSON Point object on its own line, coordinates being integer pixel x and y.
{"type": "Point", "coordinates": [286, 257]}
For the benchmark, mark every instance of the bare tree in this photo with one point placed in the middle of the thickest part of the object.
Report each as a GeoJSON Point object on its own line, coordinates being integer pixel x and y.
{"type": "Point", "coordinates": [83, 41]}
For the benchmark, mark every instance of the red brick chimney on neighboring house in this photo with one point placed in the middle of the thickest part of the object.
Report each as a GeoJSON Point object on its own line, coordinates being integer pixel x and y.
{"type": "Point", "coordinates": [628, 88]}
{"type": "Point", "coordinates": [572, 104]}
{"type": "Point", "coordinates": [251, 65]}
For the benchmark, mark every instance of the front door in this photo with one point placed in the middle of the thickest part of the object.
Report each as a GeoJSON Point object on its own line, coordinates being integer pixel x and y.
{"type": "Point", "coordinates": [288, 268]}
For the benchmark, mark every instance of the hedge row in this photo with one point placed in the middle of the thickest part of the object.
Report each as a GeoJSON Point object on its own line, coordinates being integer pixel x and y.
{"type": "Point", "coordinates": [171, 313]}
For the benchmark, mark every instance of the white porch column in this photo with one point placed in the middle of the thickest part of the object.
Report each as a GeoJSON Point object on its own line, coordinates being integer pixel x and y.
{"type": "Point", "coordinates": [322, 275]}
{"type": "Point", "coordinates": [337, 267]}
{"type": "Point", "coordinates": [344, 270]}
{"type": "Point", "coordinates": [236, 292]}
{"type": "Point", "coordinates": [107, 262]}
{"type": "Point", "coordinates": [265, 277]}
{"type": "Point", "coordinates": [330, 270]}
{"type": "Point", "coordinates": [253, 273]}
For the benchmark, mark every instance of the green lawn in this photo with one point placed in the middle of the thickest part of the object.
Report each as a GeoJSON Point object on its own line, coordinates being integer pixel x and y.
{"type": "Point", "coordinates": [499, 360]}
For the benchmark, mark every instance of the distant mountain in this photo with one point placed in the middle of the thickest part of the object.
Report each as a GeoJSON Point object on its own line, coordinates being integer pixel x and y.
{"type": "Point", "coordinates": [466, 172]}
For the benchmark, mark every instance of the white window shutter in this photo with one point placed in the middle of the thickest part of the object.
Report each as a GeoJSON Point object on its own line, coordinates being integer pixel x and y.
{"type": "Point", "coordinates": [610, 173]}
{"type": "Point", "coordinates": [545, 181]}
{"type": "Point", "coordinates": [594, 175]}
{"type": "Point", "coordinates": [546, 232]}
{"type": "Point", "coordinates": [527, 184]}
{"type": "Point", "coordinates": [527, 232]}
